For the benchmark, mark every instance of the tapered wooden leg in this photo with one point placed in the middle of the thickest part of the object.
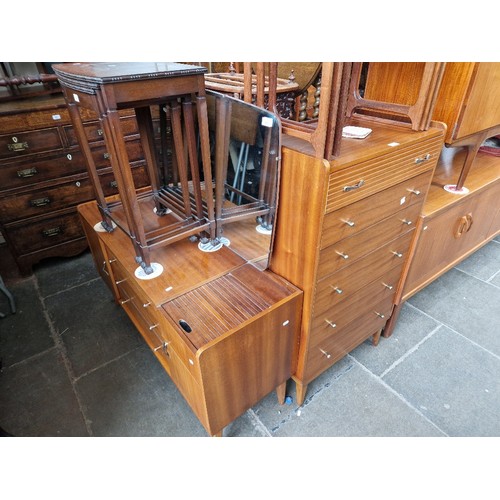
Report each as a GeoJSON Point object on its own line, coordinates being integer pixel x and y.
{"type": "Point", "coordinates": [218, 434]}
{"type": "Point", "coordinates": [376, 338]}
{"type": "Point", "coordinates": [389, 326]}
{"type": "Point", "coordinates": [281, 392]}
{"type": "Point", "coordinates": [301, 392]}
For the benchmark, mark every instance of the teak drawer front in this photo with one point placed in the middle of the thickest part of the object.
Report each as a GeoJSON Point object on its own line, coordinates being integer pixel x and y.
{"type": "Point", "coordinates": [45, 233]}
{"type": "Point", "coordinates": [356, 304]}
{"type": "Point", "coordinates": [27, 143]}
{"type": "Point", "coordinates": [29, 172]}
{"type": "Point", "coordinates": [336, 344]}
{"type": "Point", "coordinates": [348, 280]}
{"type": "Point", "coordinates": [349, 185]}
{"type": "Point", "coordinates": [349, 250]}
{"type": "Point", "coordinates": [94, 131]}
{"type": "Point", "coordinates": [357, 217]}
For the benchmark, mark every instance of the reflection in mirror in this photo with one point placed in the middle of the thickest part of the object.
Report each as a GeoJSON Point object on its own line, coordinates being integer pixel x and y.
{"type": "Point", "coordinates": [245, 143]}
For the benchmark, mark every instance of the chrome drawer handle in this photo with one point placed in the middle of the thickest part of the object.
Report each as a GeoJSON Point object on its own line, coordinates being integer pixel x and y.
{"type": "Point", "coordinates": [147, 304]}
{"type": "Point", "coordinates": [125, 301]}
{"type": "Point", "coordinates": [120, 281]}
{"type": "Point", "coordinates": [416, 192]}
{"type": "Point", "coordinates": [326, 354]}
{"type": "Point", "coordinates": [407, 222]}
{"type": "Point", "coordinates": [27, 172]}
{"type": "Point", "coordinates": [397, 254]}
{"type": "Point", "coordinates": [337, 289]}
{"type": "Point", "coordinates": [389, 287]}
{"type": "Point", "coordinates": [380, 315]}
{"type": "Point", "coordinates": [423, 158]}
{"type": "Point", "coordinates": [350, 223]}
{"type": "Point", "coordinates": [355, 186]}
{"type": "Point", "coordinates": [40, 202]}
{"type": "Point", "coordinates": [341, 254]}
{"type": "Point", "coordinates": [152, 327]}
{"type": "Point", "coordinates": [331, 323]}
{"type": "Point", "coordinates": [112, 260]}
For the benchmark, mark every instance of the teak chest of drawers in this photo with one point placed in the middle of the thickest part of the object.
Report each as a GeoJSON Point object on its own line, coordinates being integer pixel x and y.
{"type": "Point", "coordinates": [225, 331]}
{"type": "Point", "coordinates": [43, 177]}
{"type": "Point", "coordinates": [343, 233]}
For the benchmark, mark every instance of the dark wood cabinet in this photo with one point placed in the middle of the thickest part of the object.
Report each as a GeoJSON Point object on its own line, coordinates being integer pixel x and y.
{"type": "Point", "coordinates": [43, 177]}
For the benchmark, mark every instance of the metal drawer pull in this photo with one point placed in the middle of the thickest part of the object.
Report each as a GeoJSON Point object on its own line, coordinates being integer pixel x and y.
{"type": "Point", "coordinates": [379, 314]}
{"type": "Point", "coordinates": [423, 158]}
{"type": "Point", "coordinates": [152, 327]}
{"type": "Point", "coordinates": [146, 304]}
{"type": "Point", "coordinates": [356, 186]}
{"type": "Point", "coordinates": [125, 301]}
{"type": "Point", "coordinates": [331, 323]}
{"type": "Point", "coordinates": [17, 146]}
{"type": "Point", "coordinates": [327, 354]}
{"type": "Point", "coordinates": [112, 260]}
{"type": "Point", "coordinates": [27, 172]}
{"type": "Point", "coordinates": [104, 268]}
{"type": "Point", "coordinates": [106, 156]}
{"type": "Point", "coordinates": [120, 281]}
{"type": "Point", "coordinates": [99, 131]}
{"type": "Point", "coordinates": [337, 289]}
{"type": "Point", "coordinates": [397, 254]}
{"type": "Point", "coordinates": [390, 287]}
{"type": "Point", "coordinates": [113, 184]}
{"type": "Point", "coordinates": [40, 202]}
{"type": "Point", "coordinates": [185, 326]}
{"type": "Point", "coordinates": [343, 255]}
{"type": "Point", "coordinates": [350, 223]}
{"type": "Point", "coordinates": [54, 231]}
{"type": "Point", "coordinates": [407, 222]}
{"type": "Point", "coordinates": [416, 192]}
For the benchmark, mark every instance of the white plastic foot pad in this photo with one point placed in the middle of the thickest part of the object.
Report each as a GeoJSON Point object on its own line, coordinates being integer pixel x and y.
{"type": "Point", "coordinates": [157, 270]}
{"type": "Point", "coordinates": [98, 227]}
{"type": "Point", "coordinates": [262, 230]}
{"type": "Point", "coordinates": [209, 247]}
{"type": "Point", "coordinates": [452, 188]}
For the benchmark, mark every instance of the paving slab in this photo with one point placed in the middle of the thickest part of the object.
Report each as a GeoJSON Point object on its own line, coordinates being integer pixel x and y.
{"type": "Point", "coordinates": [452, 381]}
{"type": "Point", "coordinates": [37, 399]}
{"type": "Point", "coordinates": [93, 328]}
{"type": "Point", "coordinates": [134, 396]}
{"type": "Point", "coordinates": [465, 304]}
{"type": "Point", "coordinates": [411, 328]}
{"type": "Point", "coordinates": [484, 263]}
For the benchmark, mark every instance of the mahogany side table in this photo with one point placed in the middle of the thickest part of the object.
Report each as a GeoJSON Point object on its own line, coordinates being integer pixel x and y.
{"type": "Point", "coordinates": [179, 89]}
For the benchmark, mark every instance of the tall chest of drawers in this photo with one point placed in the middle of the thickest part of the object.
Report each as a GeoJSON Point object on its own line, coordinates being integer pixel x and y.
{"type": "Point", "coordinates": [343, 232]}
{"type": "Point", "coordinates": [43, 177]}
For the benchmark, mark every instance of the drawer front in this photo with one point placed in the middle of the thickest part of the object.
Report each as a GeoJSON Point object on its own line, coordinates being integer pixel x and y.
{"type": "Point", "coordinates": [349, 185]}
{"type": "Point", "coordinates": [101, 156]}
{"type": "Point", "coordinates": [357, 217]}
{"type": "Point", "coordinates": [94, 131]}
{"type": "Point", "coordinates": [27, 143]}
{"type": "Point", "coordinates": [22, 121]}
{"type": "Point", "coordinates": [45, 233]}
{"type": "Point", "coordinates": [348, 280]}
{"type": "Point", "coordinates": [356, 304]}
{"type": "Point", "coordinates": [334, 345]}
{"type": "Point", "coordinates": [348, 250]}
{"type": "Point", "coordinates": [33, 172]}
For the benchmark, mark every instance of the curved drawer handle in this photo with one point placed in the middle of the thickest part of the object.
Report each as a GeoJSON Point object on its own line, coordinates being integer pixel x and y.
{"type": "Point", "coordinates": [337, 289]}
{"type": "Point", "coordinates": [389, 287]}
{"type": "Point", "coordinates": [426, 157]}
{"type": "Point", "coordinates": [17, 146]}
{"type": "Point", "coordinates": [380, 315]}
{"type": "Point", "coordinates": [416, 192]}
{"type": "Point", "coordinates": [397, 254]}
{"type": "Point", "coordinates": [40, 202]}
{"type": "Point", "coordinates": [342, 254]}
{"type": "Point", "coordinates": [54, 231]}
{"type": "Point", "coordinates": [355, 186]}
{"type": "Point", "coordinates": [350, 223]}
{"type": "Point", "coordinates": [331, 323]}
{"type": "Point", "coordinates": [325, 353]}
{"type": "Point", "coordinates": [27, 172]}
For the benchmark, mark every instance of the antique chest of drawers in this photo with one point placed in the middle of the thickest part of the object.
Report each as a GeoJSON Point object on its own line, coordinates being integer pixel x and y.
{"type": "Point", "coordinates": [343, 233]}
{"type": "Point", "coordinates": [43, 177]}
{"type": "Point", "coordinates": [225, 331]}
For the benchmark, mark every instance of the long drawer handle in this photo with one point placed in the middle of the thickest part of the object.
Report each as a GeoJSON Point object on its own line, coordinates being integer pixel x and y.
{"type": "Point", "coordinates": [397, 254]}
{"type": "Point", "coordinates": [406, 221]}
{"type": "Point", "coordinates": [125, 301]}
{"type": "Point", "coordinates": [120, 281]}
{"type": "Point", "coordinates": [54, 231]}
{"type": "Point", "coordinates": [350, 223]}
{"type": "Point", "coordinates": [426, 157]}
{"type": "Point", "coordinates": [337, 289]}
{"type": "Point", "coordinates": [355, 186]}
{"type": "Point", "coordinates": [416, 192]}
{"type": "Point", "coordinates": [40, 202]}
{"type": "Point", "coordinates": [17, 146]}
{"type": "Point", "coordinates": [325, 353]}
{"type": "Point", "coordinates": [380, 315]}
{"type": "Point", "coordinates": [27, 172]}
{"type": "Point", "coordinates": [152, 327]}
{"type": "Point", "coordinates": [389, 287]}
{"type": "Point", "coordinates": [331, 323]}
{"type": "Point", "coordinates": [341, 254]}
